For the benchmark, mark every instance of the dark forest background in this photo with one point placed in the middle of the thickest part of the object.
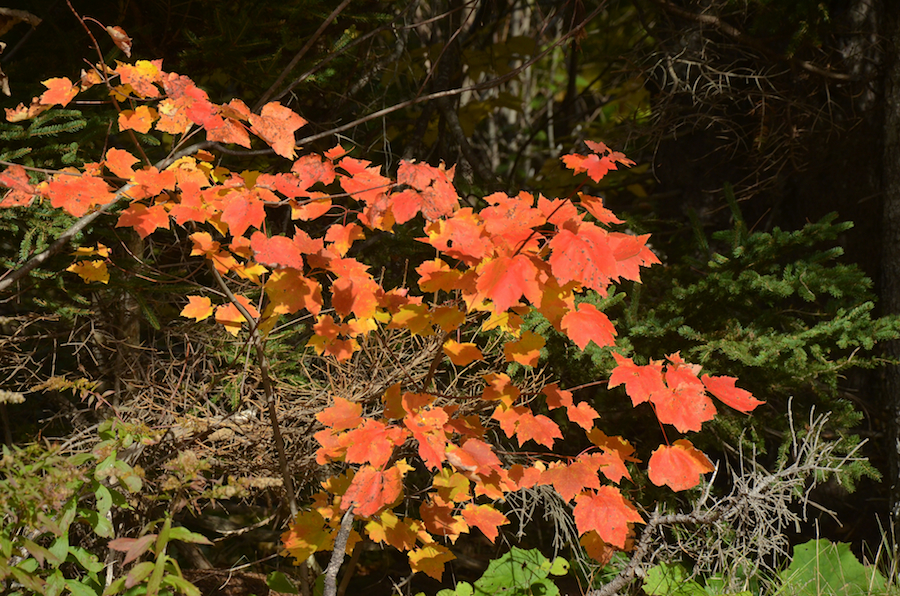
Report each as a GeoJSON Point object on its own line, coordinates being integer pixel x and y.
{"type": "Point", "coordinates": [760, 129]}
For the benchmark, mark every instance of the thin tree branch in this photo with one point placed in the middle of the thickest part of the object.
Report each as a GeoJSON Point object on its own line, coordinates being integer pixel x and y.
{"type": "Point", "coordinates": [337, 555]}
{"type": "Point", "coordinates": [263, 363]}
{"type": "Point", "coordinates": [12, 276]}
{"type": "Point", "coordinates": [741, 37]}
{"type": "Point", "coordinates": [315, 36]}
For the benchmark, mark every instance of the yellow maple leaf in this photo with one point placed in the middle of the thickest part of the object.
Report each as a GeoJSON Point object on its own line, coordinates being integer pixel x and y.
{"type": "Point", "coordinates": [91, 271]}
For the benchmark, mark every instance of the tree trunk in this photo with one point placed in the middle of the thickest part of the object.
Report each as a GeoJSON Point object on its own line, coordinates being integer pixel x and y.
{"type": "Point", "coordinates": [890, 262]}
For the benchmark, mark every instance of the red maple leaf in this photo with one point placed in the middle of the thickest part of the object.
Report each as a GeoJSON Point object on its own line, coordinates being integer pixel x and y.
{"type": "Point", "coordinates": [276, 124]}
{"type": "Point", "coordinates": [587, 324]}
{"type": "Point", "coordinates": [372, 490]}
{"type": "Point", "coordinates": [641, 382]}
{"type": "Point", "coordinates": [685, 405]}
{"type": "Point", "coordinates": [679, 466]}
{"type": "Point", "coordinates": [242, 209]}
{"type": "Point", "coordinates": [373, 443]}
{"type": "Point", "coordinates": [583, 255]}
{"type": "Point", "coordinates": [723, 388]}
{"type": "Point", "coordinates": [277, 251]}
{"type": "Point", "coordinates": [538, 428]}
{"type": "Point", "coordinates": [606, 512]}
{"type": "Point", "coordinates": [432, 192]}
{"type": "Point", "coordinates": [506, 279]}
{"type": "Point", "coordinates": [21, 192]}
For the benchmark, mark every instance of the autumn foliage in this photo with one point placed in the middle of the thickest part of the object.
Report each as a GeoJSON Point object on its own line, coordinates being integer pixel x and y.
{"type": "Point", "coordinates": [491, 266]}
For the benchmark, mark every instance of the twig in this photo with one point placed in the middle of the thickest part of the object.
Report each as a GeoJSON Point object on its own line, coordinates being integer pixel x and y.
{"type": "Point", "coordinates": [337, 555]}
{"type": "Point", "coordinates": [60, 243]}
{"type": "Point", "coordinates": [263, 363]}
{"type": "Point", "coordinates": [315, 36]}
{"type": "Point", "coordinates": [741, 37]}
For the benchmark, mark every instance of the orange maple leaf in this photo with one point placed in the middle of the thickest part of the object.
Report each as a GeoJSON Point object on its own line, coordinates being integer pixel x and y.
{"type": "Point", "coordinates": [526, 350]}
{"type": "Point", "coordinates": [231, 318]}
{"type": "Point", "coordinates": [343, 415]}
{"type": "Point", "coordinates": [572, 479]}
{"type": "Point", "coordinates": [641, 382]}
{"type": "Point", "coordinates": [680, 466]}
{"type": "Point", "coordinates": [140, 119]}
{"type": "Point", "coordinates": [439, 519]}
{"type": "Point", "coordinates": [242, 210]}
{"type": "Point", "coordinates": [277, 251]}
{"type": "Point", "coordinates": [307, 535]}
{"type": "Point", "coordinates": [432, 192]}
{"type": "Point", "coordinates": [145, 220]}
{"type": "Point", "coordinates": [342, 237]}
{"type": "Point", "coordinates": [538, 428]}
{"type": "Point", "coordinates": [430, 560]}
{"type": "Point", "coordinates": [119, 162]}
{"type": "Point", "coordinates": [77, 194]}
{"type": "Point", "coordinates": [462, 354]}
{"type": "Point", "coordinates": [198, 308]}
{"type": "Point", "coordinates": [485, 518]}
{"type": "Point", "coordinates": [594, 206]}
{"type": "Point", "coordinates": [141, 76]}
{"type": "Point", "coordinates": [289, 292]}
{"type": "Point", "coordinates": [392, 530]}
{"type": "Point", "coordinates": [276, 124]}
{"type": "Point", "coordinates": [373, 443]}
{"type": "Point", "coordinates": [606, 512]}
{"type": "Point", "coordinates": [685, 405]}
{"type": "Point", "coordinates": [59, 91]}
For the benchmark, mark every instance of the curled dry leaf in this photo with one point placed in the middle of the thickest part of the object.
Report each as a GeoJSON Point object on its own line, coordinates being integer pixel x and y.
{"type": "Point", "coordinates": [121, 39]}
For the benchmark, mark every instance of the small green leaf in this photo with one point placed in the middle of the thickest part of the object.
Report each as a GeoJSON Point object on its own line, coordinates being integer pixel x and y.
{"type": "Point", "coordinates": [60, 547]}
{"type": "Point", "coordinates": [88, 561]}
{"type": "Point", "coordinates": [279, 582]}
{"type": "Point", "coordinates": [182, 585]}
{"type": "Point", "coordinates": [671, 580]}
{"type": "Point", "coordinates": [77, 588]}
{"type": "Point", "coordinates": [559, 567]}
{"type": "Point", "coordinates": [185, 535]}
{"type": "Point", "coordinates": [139, 573]}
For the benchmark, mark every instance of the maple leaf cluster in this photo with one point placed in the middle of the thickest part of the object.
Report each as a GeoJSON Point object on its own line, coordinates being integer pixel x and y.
{"type": "Point", "coordinates": [519, 254]}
